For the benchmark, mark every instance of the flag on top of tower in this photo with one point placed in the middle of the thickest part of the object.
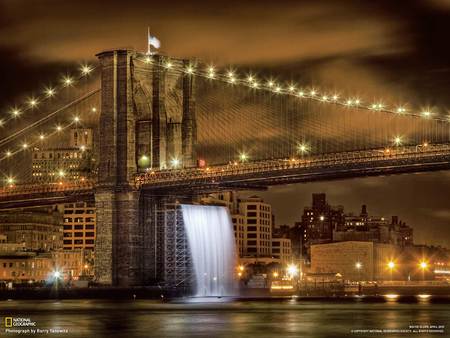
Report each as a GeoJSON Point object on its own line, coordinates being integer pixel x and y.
{"type": "Point", "coordinates": [153, 41]}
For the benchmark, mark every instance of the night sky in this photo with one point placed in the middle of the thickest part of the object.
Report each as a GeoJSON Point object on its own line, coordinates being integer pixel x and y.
{"type": "Point", "coordinates": [397, 50]}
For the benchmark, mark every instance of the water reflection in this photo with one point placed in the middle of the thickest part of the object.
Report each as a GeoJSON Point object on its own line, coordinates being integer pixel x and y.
{"type": "Point", "coordinates": [236, 318]}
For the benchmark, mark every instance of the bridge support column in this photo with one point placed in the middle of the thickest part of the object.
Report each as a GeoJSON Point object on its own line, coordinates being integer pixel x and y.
{"type": "Point", "coordinates": [119, 242]}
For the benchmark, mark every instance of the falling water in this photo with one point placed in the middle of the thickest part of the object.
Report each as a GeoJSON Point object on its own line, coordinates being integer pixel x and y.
{"type": "Point", "coordinates": [211, 240]}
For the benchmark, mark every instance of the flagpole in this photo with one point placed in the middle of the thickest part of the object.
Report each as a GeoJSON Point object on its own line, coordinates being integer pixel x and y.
{"type": "Point", "coordinates": [149, 52]}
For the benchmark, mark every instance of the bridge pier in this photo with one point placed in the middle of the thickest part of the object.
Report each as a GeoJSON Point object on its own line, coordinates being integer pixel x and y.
{"type": "Point", "coordinates": [119, 242]}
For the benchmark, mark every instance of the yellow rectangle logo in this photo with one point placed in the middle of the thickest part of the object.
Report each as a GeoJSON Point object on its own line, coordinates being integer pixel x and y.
{"type": "Point", "coordinates": [8, 321]}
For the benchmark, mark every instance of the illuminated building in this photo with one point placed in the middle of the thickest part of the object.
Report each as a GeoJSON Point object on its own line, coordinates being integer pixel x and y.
{"type": "Point", "coordinates": [356, 260]}
{"type": "Point", "coordinates": [36, 230]}
{"type": "Point", "coordinates": [72, 163]}
{"type": "Point", "coordinates": [79, 225]}
{"type": "Point", "coordinates": [281, 249]}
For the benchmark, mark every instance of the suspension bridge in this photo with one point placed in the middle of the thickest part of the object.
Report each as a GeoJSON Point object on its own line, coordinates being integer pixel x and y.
{"type": "Point", "coordinates": [168, 129]}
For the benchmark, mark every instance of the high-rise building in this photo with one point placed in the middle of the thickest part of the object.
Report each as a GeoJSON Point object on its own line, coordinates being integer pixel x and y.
{"type": "Point", "coordinates": [257, 219]}
{"type": "Point", "coordinates": [318, 222]}
{"type": "Point", "coordinates": [79, 225]}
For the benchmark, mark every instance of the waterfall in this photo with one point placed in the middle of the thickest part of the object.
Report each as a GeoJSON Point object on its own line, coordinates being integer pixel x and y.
{"type": "Point", "coordinates": [211, 240]}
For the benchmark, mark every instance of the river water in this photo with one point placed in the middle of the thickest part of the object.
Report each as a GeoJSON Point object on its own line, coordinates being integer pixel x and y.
{"type": "Point", "coordinates": [236, 318]}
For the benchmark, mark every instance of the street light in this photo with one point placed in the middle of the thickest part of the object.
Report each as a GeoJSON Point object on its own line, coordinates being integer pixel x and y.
{"type": "Point", "coordinates": [292, 270]}
{"type": "Point", "coordinates": [423, 265]}
{"type": "Point", "coordinates": [243, 157]}
{"type": "Point", "coordinates": [391, 266]}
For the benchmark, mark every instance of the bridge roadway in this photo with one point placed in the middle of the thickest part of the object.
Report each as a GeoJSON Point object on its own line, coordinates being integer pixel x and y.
{"type": "Point", "coordinates": [256, 174]}
{"type": "Point", "coordinates": [248, 175]}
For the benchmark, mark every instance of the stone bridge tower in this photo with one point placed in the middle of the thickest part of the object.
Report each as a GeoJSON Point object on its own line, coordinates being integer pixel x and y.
{"type": "Point", "coordinates": [147, 121]}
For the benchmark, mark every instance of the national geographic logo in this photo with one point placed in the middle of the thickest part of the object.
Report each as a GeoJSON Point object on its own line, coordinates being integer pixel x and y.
{"type": "Point", "coordinates": [8, 321]}
{"type": "Point", "coordinates": [19, 322]}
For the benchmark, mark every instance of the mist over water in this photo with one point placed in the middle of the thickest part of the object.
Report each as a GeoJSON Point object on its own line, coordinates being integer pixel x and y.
{"type": "Point", "coordinates": [211, 240]}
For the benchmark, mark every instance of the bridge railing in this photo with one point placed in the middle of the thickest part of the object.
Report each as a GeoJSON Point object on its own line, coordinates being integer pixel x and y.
{"type": "Point", "coordinates": [235, 168]}
{"type": "Point", "coordinates": [14, 190]}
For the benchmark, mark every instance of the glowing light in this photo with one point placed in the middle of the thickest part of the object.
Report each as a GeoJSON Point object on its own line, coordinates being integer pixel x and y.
{"type": "Point", "coordinates": [255, 84]}
{"type": "Point", "coordinates": [324, 98]}
{"type": "Point", "coordinates": [358, 265]}
{"type": "Point", "coordinates": [61, 173]}
{"type": "Point", "coordinates": [175, 162]}
{"type": "Point", "coordinates": [423, 296]}
{"type": "Point", "coordinates": [301, 93]}
{"type": "Point", "coordinates": [15, 112]}
{"type": "Point", "coordinates": [49, 92]}
{"type": "Point", "coordinates": [8, 153]}
{"type": "Point", "coordinates": [425, 144]}
{"type": "Point", "coordinates": [241, 268]}
{"type": "Point", "coordinates": [349, 102]}
{"type": "Point", "coordinates": [398, 140]}
{"type": "Point", "coordinates": [313, 92]}
{"type": "Point", "coordinates": [76, 119]}
{"type": "Point", "coordinates": [291, 88]}
{"type": "Point", "coordinates": [211, 72]}
{"type": "Point", "coordinates": [41, 137]}
{"type": "Point", "coordinates": [10, 180]}
{"type": "Point", "coordinates": [56, 274]}
{"type": "Point", "coordinates": [270, 84]}
{"type": "Point", "coordinates": [24, 146]}
{"type": "Point", "coordinates": [250, 78]}
{"type": "Point", "coordinates": [86, 69]}
{"type": "Point", "coordinates": [58, 128]}
{"type": "Point", "coordinates": [67, 80]}
{"type": "Point", "coordinates": [190, 70]}
{"type": "Point", "coordinates": [391, 296]}
{"type": "Point", "coordinates": [357, 101]}
{"type": "Point", "coordinates": [423, 265]}
{"type": "Point", "coordinates": [83, 148]}
{"type": "Point", "coordinates": [33, 103]}
{"type": "Point", "coordinates": [292, 270]}
{"type": "Point", "coordinates": [277, 89]}
{"type": "Point", "coordinates": [148, 59]}
{"type": "Point", "coordinates": [94, 110]}
{"type": "Point", "coordinates": [426, 114]}
{"type": "Point", "coordinates": [335, 97]}
{"type": "Point", "coordinates": [400, 110]}
{"type": "Point", "coordinates": [275, 274]}
{"type": "Point", "coordinates": [243, 157]}
{"type": "Point", "coordinates": [322, 218]}
{"type": "Point", "coordinates": [391, 265]}
{"type": "Point", "coordinates": [169, 64]}
{"type": "Point", "coordinates": [303, 148]}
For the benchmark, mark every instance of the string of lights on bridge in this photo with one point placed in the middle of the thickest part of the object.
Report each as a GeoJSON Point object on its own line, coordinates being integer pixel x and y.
{"type": "Point", "coordinates": [231, 77]}
{"type": "Point", "coordinates": [251, 81]}
{"type": "Point", "coordinates": [48, 93]}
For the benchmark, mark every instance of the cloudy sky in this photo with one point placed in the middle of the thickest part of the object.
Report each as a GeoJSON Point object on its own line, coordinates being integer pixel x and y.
{"type": "Point", "coordinates": [397, 50]}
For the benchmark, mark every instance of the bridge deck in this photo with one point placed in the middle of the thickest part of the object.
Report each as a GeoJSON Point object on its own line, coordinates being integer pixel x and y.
{"type": "Point", "coordinates": [250, 175]}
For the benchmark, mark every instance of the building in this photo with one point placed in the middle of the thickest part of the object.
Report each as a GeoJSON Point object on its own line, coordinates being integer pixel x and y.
{"type": "Point", "coordinates": [72, 263]}
{"type": "Point", "coordinates": [281, 249]}
{"type": "Point", "coordinates": [39, 229]}
{"type": "Point", "coordinates": [317, 223]}
{"type": "Point", "coordinates": [79, 225]}
{"type": "Point", "coordinates": [25, 267]}
{"type": "Point", "coordinates": [357, 260]}
{"type": "Point", "coordinates": [372, 228]}
{"type": "Point", "coordinates": [74, 162]}
{"type": "Point", "coordinates": [256, 217]}
{"type": "Point", "coordinates": [21, 267]}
